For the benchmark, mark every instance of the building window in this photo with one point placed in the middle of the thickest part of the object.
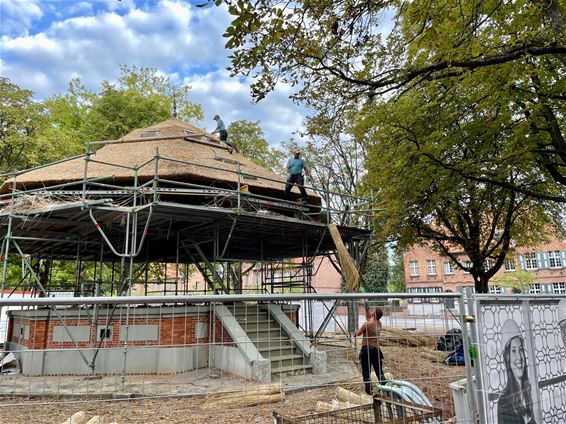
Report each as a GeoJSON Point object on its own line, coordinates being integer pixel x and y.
{"type": "Point", "coordinates": [448, 268]}
{"type": "Point", "coordinates": [509, 265]}
{"type": "Point", "coordinates": [468, 266]}
{"type": "Point", "coordinates": [496, 289]}
{"type": "Point", "coordinates": [559, 288]}
{"type": "Point", "coordinates": [531, 261]}
{"type": "Point", "coordinates": [414, 268]}
{"type": "Point", "coordinates": [487, 265]}
{"type": "Point", "coordinates": [554, 259]}
{"type": "Point", "coordinates": [431, 267]}
{"type": "Point", "coordinates": [535, 289]}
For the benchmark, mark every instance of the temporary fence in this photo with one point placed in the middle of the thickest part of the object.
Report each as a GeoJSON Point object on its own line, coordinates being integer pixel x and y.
{"type": "Point", "coordinates": [222, 358]}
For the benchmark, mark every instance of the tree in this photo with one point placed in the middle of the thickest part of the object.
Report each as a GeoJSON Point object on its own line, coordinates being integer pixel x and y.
{"type": "Point", "coordinates": [425, 201]}
{"type": "Point", "coordinates": [376, 276]}
{"type": "Point", "coordinates": [141, 97]}
{"type": "Point", "coordinates": [342, 53]}
{"type": "Point", "coordinates": [397, 273]}
{"type": "Point", "coordinates": [249, 140]}
{"type": "Point", "coordinates": [21, 121]}
{"type": "Point", "coordinates": [520, 281]}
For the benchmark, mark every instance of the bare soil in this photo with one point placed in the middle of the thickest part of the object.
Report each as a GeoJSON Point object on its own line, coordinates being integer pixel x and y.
{"type": "Point", "coordinates": [401, 361]}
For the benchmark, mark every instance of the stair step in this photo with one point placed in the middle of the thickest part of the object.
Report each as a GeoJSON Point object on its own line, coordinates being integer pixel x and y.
{"type": "Point", "coordinates": [277, 352]}
{"type": "Point", "coordinates": [262, 344]}
{"type": "Point", "coordinates": [253, 319]}
{"type": "Point", "coordinates": [262, 326]}
{"type": "Point", "coordinates": [292, 368]}
{"type": "Point", "coordinates": [289, 362]}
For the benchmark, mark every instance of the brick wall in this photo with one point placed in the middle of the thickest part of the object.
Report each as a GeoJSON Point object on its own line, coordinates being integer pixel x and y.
{"type": "Point", "coordinates": [173, 331]}
{"type": "Point", "coordinates": [459, 278]}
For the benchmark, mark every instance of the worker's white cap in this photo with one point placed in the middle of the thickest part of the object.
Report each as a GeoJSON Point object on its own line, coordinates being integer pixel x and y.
{"type": "Point", "coordinates": [509, 331]}
{"type": "Point", "coordinates": [561, 311]}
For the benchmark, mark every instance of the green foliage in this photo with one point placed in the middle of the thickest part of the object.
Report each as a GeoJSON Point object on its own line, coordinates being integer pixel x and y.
{"type": "Point", "coordinates": [141, 97]}
{"type": "Point", "coordinates": [376, 276]}
{"type": "Point", "coordinates": [520, 281]}
{"type": "Point", "coordinates": [342, 53]}
{"type": "Point", "coordinates": [397, 273]}
{"type": "Point", "coordinates": [249, 140]}
{"type": "Point", "coordinates": [22, 122]}
{"type": "Point", "coordinates": [424, 156]}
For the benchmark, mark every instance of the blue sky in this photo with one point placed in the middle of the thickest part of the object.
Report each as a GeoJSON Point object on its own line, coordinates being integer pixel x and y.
{"type": "Point", "coordinates": [46, 43]}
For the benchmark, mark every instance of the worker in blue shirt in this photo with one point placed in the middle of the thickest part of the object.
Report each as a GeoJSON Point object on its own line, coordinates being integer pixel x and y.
{"type": "Point", "coordinates": [295, 166]}
{"type": "Point", "coordinates": [222, 133]}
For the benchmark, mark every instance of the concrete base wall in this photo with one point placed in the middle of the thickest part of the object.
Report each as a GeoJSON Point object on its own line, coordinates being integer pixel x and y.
{"type": "Point", "coordinates": [230, 359]}
{"type": "Point", "coordinates": [138, 360]}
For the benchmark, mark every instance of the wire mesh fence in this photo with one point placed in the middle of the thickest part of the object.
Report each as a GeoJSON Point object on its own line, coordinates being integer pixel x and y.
{"type": "Point", "coordinates": [229, 359]}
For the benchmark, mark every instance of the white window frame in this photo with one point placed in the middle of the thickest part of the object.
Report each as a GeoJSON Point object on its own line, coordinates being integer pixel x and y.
{"type": "Point", "coordinates": [559, 288]}
{"type": "Point", "coordinates": [448, 268]}
{"type": "Point", "coordinates": [531, 261]}
{"type": "Point", "coordinates": [414, 268]}
{"type": "Point", "coordinates": [496, 289]}
{"type": "Point", "coordinates": [488, 264]}
{"type": "Point", "coordinates": [431, 267]}
{"type": "Point", "coordinates": [509, 265]}
{"type": "Point", "coordinates": [554, 259]}
{"type": "Point", "coordinates": [535, 289]}
{"type": "Point", "coordinates": [467, 264]}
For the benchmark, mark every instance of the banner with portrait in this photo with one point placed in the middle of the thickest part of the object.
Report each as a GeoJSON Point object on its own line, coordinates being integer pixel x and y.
{"type": "Point", "coordinates": [522, 359]}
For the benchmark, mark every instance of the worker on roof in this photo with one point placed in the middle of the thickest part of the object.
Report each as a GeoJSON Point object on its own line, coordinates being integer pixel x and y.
{"type": "Point", "coordinates": [222, 132]}
{"type": "Point", "coordinates": [295, 166]}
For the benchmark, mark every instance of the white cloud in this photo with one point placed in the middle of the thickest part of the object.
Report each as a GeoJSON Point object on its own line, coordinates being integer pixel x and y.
{"type": "Point", "coordinates": [17, 16]}
{"type": "Point", "coordinates": [168, 35]}
{"type": "Point", "coordinates": [178, 39]}
{"type": "Point", "coordinates": [230, 98]}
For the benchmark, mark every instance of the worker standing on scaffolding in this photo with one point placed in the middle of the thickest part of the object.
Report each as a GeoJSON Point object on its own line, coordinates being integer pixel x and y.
{"type": "Point", "coordinates": [222, 132]}
{"type": "Point", "coordinates": [370, 354]}
{"type": "Point", "coordinates": [295, 166]}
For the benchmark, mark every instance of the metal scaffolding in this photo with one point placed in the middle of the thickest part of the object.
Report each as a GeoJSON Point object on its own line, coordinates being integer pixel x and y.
{"type": "Point", "coordinates": [112, 232]}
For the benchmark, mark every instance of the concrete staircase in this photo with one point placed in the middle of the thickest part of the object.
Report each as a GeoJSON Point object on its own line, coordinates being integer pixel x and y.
{"type": "Point", "coordinates": [270, 339]}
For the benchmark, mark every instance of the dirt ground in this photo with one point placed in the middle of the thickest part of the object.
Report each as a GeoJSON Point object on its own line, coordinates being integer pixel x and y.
{"type": "Point", "coordinates": [403, 362]}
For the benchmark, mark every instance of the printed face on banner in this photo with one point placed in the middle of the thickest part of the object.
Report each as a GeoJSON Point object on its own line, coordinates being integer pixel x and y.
{"type": "Point", "coordinates": [522, 358]}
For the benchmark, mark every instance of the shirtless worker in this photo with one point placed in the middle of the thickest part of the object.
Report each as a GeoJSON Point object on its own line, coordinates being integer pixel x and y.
{"type": "Point", "coordinates": [370, 354]}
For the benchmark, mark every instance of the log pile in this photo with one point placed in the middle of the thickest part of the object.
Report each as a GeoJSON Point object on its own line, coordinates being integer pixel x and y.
{"type": "Point", "coordinates": [81, 418]}
{"type": "Point", "coordinates": [270, 393]}
{"type": "Point", "coordinates": [433, 355]}
{"type": "Point", "coordinates": [343, 399]}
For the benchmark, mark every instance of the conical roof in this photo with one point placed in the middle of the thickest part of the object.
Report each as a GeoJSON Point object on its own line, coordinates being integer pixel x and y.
{"type": "Point", "coordinates": [205, 160]}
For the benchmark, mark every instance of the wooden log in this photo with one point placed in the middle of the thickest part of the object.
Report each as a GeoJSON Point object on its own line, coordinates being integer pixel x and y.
{"type": "Point", "coordinates": [95, 420]}
{"type": "Point", "coordinates": [77, 418]}
{"type": "Point", "coordinates": [244, 401]}
{"type": "Point", "coordinates": [351, 397]}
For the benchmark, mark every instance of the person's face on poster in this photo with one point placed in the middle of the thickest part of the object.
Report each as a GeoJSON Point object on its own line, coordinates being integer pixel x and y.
{"type": "Point", "coordinates": [517, 357]}
{"type": "Point", "coordinates": [563, 331]}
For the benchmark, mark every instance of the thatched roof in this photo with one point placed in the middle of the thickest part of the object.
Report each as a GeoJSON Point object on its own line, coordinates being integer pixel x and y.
{"type": "Point", "coordinates": [173, 139]}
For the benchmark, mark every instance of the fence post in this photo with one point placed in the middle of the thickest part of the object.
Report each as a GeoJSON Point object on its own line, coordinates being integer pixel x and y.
{"type": "Point", "coordinates": [477, 384]}
{"type": "Point", "coordinates": [465, 319]}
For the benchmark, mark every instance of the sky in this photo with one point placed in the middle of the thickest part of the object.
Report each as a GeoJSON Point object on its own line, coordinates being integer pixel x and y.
{"type": "Point", "coordinates": [44, 44]}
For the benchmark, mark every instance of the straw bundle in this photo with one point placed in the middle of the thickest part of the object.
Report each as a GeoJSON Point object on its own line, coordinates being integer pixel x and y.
{"type": "Point", "coordinates": [395, 337]}
{"type": "Point", "coordinates": [271, 393]}
{"type": "Point", "coordinates": [349, 269]}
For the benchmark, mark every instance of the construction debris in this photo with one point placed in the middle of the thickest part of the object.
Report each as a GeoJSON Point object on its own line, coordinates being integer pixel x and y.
{"type": "Point", "coordinates": [348, 396]}
{"type": "Point", "coordinates": [81, 418]}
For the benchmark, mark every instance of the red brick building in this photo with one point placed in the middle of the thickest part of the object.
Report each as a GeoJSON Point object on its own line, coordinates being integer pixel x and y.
{"type": "Point", "coordinates": [428, 272]}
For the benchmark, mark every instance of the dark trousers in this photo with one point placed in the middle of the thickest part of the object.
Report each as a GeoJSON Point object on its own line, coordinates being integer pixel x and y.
{"type": "Point", "coordinates": [300, 181]}
{"type": "Point", "coordinates": [223, 135]}
{"type": "Point", "coordinates": [371, 357]}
